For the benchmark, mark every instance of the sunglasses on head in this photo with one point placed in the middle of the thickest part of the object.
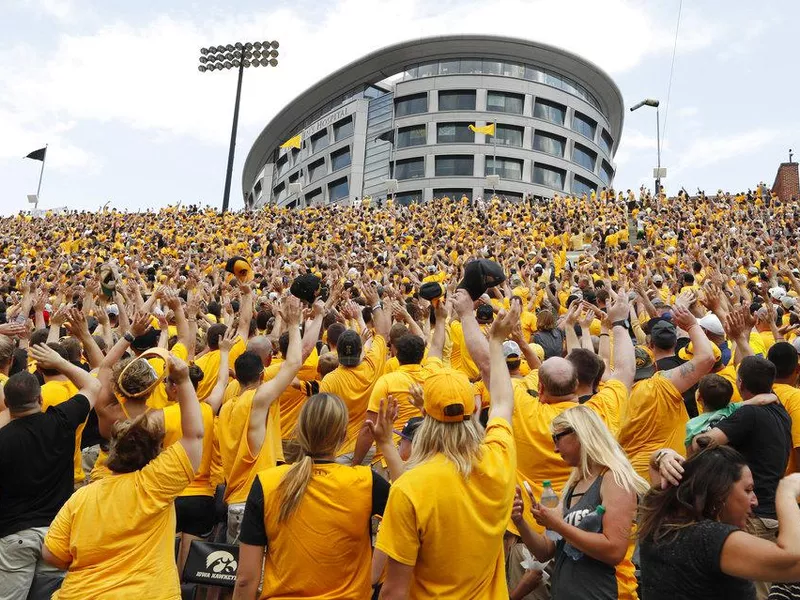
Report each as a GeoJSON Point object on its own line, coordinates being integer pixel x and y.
{"type": "Point", "coordinates": [561, 434]}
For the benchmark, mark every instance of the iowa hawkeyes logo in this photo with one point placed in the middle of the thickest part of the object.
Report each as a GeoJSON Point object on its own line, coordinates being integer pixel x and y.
{"type": "Point", "coordinates": [221, 561]}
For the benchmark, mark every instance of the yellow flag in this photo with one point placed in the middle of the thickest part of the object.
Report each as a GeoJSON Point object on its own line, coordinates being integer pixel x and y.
{"type": "Point", "coordinates": [292, 142]}
{"type": "Point", "coordinates": [486, 129]}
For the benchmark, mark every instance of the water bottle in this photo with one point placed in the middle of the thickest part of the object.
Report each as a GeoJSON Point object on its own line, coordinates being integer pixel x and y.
{"type": "Point", "coordinates": [593, 523]}
{"type": "Point", "coordinates": [550, 500]}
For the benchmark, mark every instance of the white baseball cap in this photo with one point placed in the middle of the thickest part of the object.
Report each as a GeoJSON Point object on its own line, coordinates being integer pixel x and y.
{"type": "Point", "coordinates": [712, 324]}
{"type": "Point", "coordinates": [511, 348]}
{"type": "Point", "coordinates": [777, 292]}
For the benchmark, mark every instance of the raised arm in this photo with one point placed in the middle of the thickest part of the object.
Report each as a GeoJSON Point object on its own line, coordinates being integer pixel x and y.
{"type": "Point", "coordinates": [48, 358]}
{"type": "Point", "coordinates": [441, 310]}
{"type": "Point", "coordinates": [312, 329]}
{"type": "Point", "coordinates": [245, 311]}
{"type": "Point", "coordinates": [381, 319]}
{"type": "Point", "coordinates": [738, 325]}
{"type": "Point", "coordinates": [215, 398]}
{"type": "Point", "coordinates": [500, 383]}
{"type": "Point", "coordinates": [191, 415]}
{"type": "Point", "coordinates": [688, 374]}
{"type": "Point", "coordinates": [477, 345]}
{"type": "Point", "coordinates": [80, 329]}
{"type": "Point", "coordinates": [624, 356]}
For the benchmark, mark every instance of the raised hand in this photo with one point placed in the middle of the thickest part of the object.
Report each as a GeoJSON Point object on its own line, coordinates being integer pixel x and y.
{"type": "Point", "coordinates": [228, 340]}
{"type": "Point", "coordinates": [46, 357]}
{"type": "Point", "coordinates": [140, 323]}
{"type": "Point", "coordinates": [381, 428]}
{"type": "Point", "coordinates": [505, 322]}
{"type": "Point", "coordinates": [682, 317]}
{"type": "Point", "coordinates": [291, 311]}
{"type": "Point", "coordinates": [462, 303]}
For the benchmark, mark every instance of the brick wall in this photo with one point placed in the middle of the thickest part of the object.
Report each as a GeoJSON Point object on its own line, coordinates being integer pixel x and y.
{"type": "Point", "coordinates": [787, 182]}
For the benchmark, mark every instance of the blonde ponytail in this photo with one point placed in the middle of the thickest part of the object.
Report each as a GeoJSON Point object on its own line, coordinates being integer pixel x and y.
{"type": "Point", "coordinates": [293, 486]}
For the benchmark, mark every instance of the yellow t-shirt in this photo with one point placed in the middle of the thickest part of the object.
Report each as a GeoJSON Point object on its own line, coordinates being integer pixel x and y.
{"type": "Point", "coordinates": [209, 363]}
{"type": "Point", "coordinates": [118, 534]}
{"type": "Point", "coordinates": [790, 398]}
{"type": "Point", "coordinates": [656, 418]}
{"type": "Point", "coordinates": [610, 403]}
{"type": "Point", "coordinates": [391, 366]}
{"type": "Point", "coordinates": [158, 397]}
{"type": "Point", "coordinates": [460, 357]}
{"type": "Point", "coordinates": [53, 394]}
{"type": "Point", "coordinates": [291, 399]}
{"type": "Point", "coordinates": [330, 528]}
{"type": "Point", "coordinates": [432, 505]}
{"type": "Point", "coordinates": [354, 386]}
{"type": "Point", "coordinates": [239, 463]}
{"type": "Point", "coordinates": [201, 484]}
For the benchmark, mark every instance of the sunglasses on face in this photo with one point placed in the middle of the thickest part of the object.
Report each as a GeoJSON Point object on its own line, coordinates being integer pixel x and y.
{"type": "Point", "coordinates": [561, 434]}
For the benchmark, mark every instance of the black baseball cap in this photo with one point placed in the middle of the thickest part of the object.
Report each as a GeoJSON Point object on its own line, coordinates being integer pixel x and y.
{"type": "Point", "coordinates": [410, 428]}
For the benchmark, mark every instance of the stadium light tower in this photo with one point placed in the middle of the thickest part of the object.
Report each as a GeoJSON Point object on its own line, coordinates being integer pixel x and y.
{"type": "Point", "coordinates": [658, 173]}
{"type": "Point", "coordinates": [237, 56]}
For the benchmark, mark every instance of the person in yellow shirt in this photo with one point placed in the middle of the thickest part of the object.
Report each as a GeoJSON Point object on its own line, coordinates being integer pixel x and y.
{"type": "Point", "coordinates": [458, 484]}
{"type": "Point", "coordinates": [787, 370]}
{"type": "Point", "coordinates": [248, 428]}
{"type": "Point", "coordinates": [311, 519]}
{"type": "Point", "coordinates": [116, 536]}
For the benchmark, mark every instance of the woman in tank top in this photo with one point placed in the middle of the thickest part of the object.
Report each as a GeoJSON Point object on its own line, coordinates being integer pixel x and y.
{"type": "Point", "coordinates": [591, 565]}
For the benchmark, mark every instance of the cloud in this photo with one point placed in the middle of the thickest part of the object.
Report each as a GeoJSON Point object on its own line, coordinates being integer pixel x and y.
{"type": "Point", "coordinates": [713, 149]}
{"type": "Point", "coordinates": [687, 111]}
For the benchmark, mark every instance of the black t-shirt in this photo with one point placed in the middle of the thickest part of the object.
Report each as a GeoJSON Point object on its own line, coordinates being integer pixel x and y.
{"type": "Point", "coordinates": [36, 465]}
{"type": "Point", "coordinates": [763, 434]}
{"type": "Point", "coordinates": [253, 532]}
{"type": "Point", "coordinates": [686, 566]}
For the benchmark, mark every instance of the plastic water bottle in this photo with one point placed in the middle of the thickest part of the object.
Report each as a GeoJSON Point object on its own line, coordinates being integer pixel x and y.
{"type": "Point", "coordinates": [593, 523]}
{"type": "Point", "coordinates": [550, 500]}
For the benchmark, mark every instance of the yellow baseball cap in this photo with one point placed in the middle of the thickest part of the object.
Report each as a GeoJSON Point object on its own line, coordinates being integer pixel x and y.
{"type": "Point", "coordinates": [449, 396]}
{"type": "Point", "coordinates": [687, 353]}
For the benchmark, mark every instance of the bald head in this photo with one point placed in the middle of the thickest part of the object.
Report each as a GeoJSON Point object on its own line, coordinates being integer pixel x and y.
{"type": "Point", "coordinates": [558, 378]}
{"type": "Point", "coordinates": [261, 345]}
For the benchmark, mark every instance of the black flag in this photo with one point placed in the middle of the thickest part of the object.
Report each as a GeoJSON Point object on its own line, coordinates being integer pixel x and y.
{"type": "Point", "coordinates": [386, 136]}
{"type": "Point", "coordinates": [38, 154]}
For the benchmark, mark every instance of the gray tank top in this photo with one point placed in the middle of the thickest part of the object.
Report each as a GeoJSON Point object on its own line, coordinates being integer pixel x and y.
{"type": "Point", "coordinates": [586, 578]}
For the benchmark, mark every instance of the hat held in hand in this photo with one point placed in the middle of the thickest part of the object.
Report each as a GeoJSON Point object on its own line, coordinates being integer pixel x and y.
{"type": "Point", "coordinates": [431, 291]}
{"type": "Point", "coordinates": [306, 287]}
{"type": "Point", "coordinates": [480, 275]}
{"type": "Point", "coordinates": [240, 269]}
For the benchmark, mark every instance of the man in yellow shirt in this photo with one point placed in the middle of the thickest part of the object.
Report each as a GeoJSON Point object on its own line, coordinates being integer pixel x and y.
{"type": "Point", "coordinates": [787, 370]}
{"type": "Point", "coordinates": [455, 490]}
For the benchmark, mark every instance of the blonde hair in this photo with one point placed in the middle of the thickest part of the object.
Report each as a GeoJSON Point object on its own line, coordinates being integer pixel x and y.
{"type": "Point", "coordinates": [138, 380]}
{"type": "Point", "coordinates": [459, 442]}
{"type": "Point", "coordinates": [6, 350]}
{"type": "Point", "coordinates": [321, 429]}
{"type": "Point", "coordinates": [598, 449]}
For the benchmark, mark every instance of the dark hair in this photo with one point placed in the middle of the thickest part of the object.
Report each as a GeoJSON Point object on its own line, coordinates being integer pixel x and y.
{"type": "Point", "coordinates": [214, 308]}
{"type": "Point", "coordinates": [73, 349]}
{"type": "Point", "coordinates": [248, 367]}
{"type": "Point", "coordinates": [283, 343]}
{"type": "Point", "coordinates": [410, 349]}
{"type": "Point", "coordinates": [62, 352]}
{"type": "Point", "coordinates": [708, 477]}
{"type": "Point", "coordinates": [715, 391]}
{"type": "Point", "coordinates": [134, 443]}
{"type": "Point", "coordinates": [784, 357]}
{"type": "Point", "coordinates": [39, 336]}
{"type": "Point", "coordinates": [588, 366]}
{"type": "Point", "coordinates": [196, 374]}
{"type": "Point", "coordinates": [262, 319]}
{"type": "Point", "coordinates": [22, 391]}
{"type": "Point", "coordinates": [334, 331]}
{"type": "Point", "coordinates": [214, 333]}
{"type": "Point", "coordinates": [757, 374]}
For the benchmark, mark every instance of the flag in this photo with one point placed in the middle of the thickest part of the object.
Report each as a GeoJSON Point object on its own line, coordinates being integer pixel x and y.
{"type": "Point", "coordinates": [486, 129]}
{"type": "Point", "coordinates": [38, 154]}
{"type": "Point", "coordinates": [294, 142]}
{"type": "Point", "coordinates": [386, 136]}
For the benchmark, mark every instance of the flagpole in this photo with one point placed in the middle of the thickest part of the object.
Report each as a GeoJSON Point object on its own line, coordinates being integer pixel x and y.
{"type": "Point", "coordinates": [391, 157]}
{"type": "Point", "coordinates": [494, 161]}
{"type": "Point", "coordinates": [41, 174]}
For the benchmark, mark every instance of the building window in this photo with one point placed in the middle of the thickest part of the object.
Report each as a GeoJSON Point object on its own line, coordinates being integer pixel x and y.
{"type": "Point", "coordinates": [416, 135]}
{"type": "Point", "coordinates": [449, 67]}
{"type": "Point", "coordinates": [279, 192]}
{"type": "Point", "coordinates": [294, 176]}
{"type": "Point", "coordinates": [507, 168]}
{"type": "Point", "coordinates": [257, 187]}
{"type": "Point", "coordinates": [508, 135]}
{"type": "Point", "coordinates": [549, 176]}
{"type": "Point", "coordinates": [454, 133]}
{"type": "Point", "coordinates": [606, 142]}
{"type": "Point", "coordinates": [549, 111]}
{"type": "Point", "coordinates": [282, 164]}
{"type": "Point", "coordinates": [314, 198]}
{"type": "Point", "coordinates": [411, 105]}
{"type": "Point", "coordinates": [505, 102]}
{"type": "Point", "coordinates": [606, 173]}
{"type": "Point", "coordinates": [584, 125]}
{"type": "Point", "coordinates": [449, 166]}
{"type": "Point", "coordinates": [581, 185]}
{"type": "Point", "coordinates": [409, 168]}
{"type": "Point", "coordinates": [340, 159]}
{"type": "Point", "coordinates": [319, 140]}
{"type": "Point", "coordinates": [317, 170]}
{"type": "Point", "coordinates": [452, 194]}
{"type": "Point", "coordinates": [338, 189]}
{"type": "Point", "coordinates": [584, 157]}
{"type": "Point", "coordinates": [471, 65]}
{"type": "Point", "coordinates": [457, 100]}
{"type": "Point", "coordinates": [343, 129]}
{"type": "Point", "coordinates": [428, 70]}
{"type": "Point", "coordinates": [492, 67]}
{"type": "Point", "coordinates": [503, 195]}
{"type": "Point", "coordinates": [549, 143]}
{"type": "Point", "coordinates": [406, 198]}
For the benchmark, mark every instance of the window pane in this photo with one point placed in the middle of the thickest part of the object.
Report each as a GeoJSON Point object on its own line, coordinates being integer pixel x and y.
{"type": "Point", "coordinates": [338, 189]}
{"type": "Point", "coordinates": [513, 70]}
{"type": "Point", "coordinates": [549, 176]}
{"type": "Point", "coordinates": [549, 143]}
{"type": "Point", "coordinates": [454, 133]}
{"type": "Point", "coordinates": [412, 136]}
{"type": "Point", "coordinates": [507, 168]}
{"type": "Point", "coordinates": [534, 74]}
{"type": "Point", "coordinates": [279, 193]}
{"type": "Point", "coordinates": [549, 111]}
{"type": "Point", "coordinates": [343, 129]}
{"type": "Point", "coordinates": [316, 170]}
{"type": "Point", "coordinates": [428, 70]}
{"type": "Point", "coordinates": [504, 102]}
{"type": "Point", "coordinates": [584, 157]}
{"type": "Point", "coordinates": [503, 195]}
{"type": "Point", "coordinates": [406, 198]}
{"type": "Point", "coordinates": [492, 67]}
{"type": "Point", "coordinates": [411, 105]}
{"type": "Point", "coordinates": [457, 100]}
{"type": "Point", "coordinates": [448, 67]}
{"type": "Point", "coordinates": [584, 125]}
{"type": "Point", "coordinates": [606, 142]}
{"type": "Point", "coordinates": [452, 194]}
{"type": "Point", "coordinates": [454, 165]}
{"type": "Point", "coordinates": [508, 135]}
{"type": "Point", "coordinates": [582, 186]}
{"type": "Point", "coordinates": [282, 164]}
{"type": "Point", "coordinates": [471, 65]}
{"type": "Point", "coordinates": [410, 168]}
{"type": "Point", "coordinates": [606, 172]}
{"type": "Point", "coordinates": [340, 159]}
{"type": "Point", "coordinates": [319, 140]}
{"type": "Point", "coordinates": [315, 197]}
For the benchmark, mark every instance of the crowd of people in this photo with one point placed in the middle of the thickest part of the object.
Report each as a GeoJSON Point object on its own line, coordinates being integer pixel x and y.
{"type": "Point", "coordinates": [593, 397]}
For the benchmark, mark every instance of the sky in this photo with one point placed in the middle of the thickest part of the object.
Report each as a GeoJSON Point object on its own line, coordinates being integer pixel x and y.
{"type": "Point", "coordinates": [113, 87]}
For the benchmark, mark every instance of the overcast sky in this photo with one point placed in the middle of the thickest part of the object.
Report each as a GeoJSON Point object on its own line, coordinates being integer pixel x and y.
{"type": "Point", "coordinates": [113, 86]}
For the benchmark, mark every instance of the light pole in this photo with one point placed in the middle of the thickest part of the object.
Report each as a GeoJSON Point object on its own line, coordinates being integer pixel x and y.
{"type": "Point", "coordinates": [654, 104]}
{"type": "Point", "coordinates": [239, 56]}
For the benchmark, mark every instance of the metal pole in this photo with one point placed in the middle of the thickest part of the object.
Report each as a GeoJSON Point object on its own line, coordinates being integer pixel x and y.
{"type": "Point", "coordinates": [41, 174]}
{"type": "Point", "coordinates": [227, 196]}
{"type": "Point", "coordinates": [658, 152]}
{"type": "Point", "coordinates": [494, 160]}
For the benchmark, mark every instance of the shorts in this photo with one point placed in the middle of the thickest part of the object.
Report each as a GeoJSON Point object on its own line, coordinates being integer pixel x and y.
{"type": "Point", "coordinates": [195, 515]}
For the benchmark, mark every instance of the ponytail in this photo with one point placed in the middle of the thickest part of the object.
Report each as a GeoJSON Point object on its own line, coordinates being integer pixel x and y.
{"type": "Point", "coordinates": [293, 486]}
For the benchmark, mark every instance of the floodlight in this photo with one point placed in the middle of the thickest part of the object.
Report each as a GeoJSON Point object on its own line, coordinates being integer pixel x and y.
{"type": "Point", "coordinates": [273, 62]}
{"type": "Point", "coordinates": [275, 44]}
{"type": "Point", "coordinates": [201, 68]}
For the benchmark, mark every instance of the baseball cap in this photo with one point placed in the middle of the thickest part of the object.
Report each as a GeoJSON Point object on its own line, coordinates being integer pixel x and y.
{"type": "Point", "coordinates": [306, 287]}
{"type": "Point", "coordinates": [752, 270]}
{"type": "Point", "coordinates": [687, 353]}
{"type": "Point", "coordinates": [511, 349]}
{"type": "Point", "coordinates": [431, 290]}
{"type": "Point", "coordinates": [480, 275]}
{"type": "Point", "coordinates": [348, 348]}
{"type": "Point", "coordinates": [113, 309]}
{"type": "Point", "coordinates": [777, 292]}
{"type": "Point", "coordinates": [658, 303]}
{"type": "Point", "coordinates": [658, 278]}
{"type": "Point", "coordinates": [645, 367]}
{"type": "Point", "coordinates": [410, 428]}
{"type": "Point", "coordinates": [663, 334]}
{"type": "Point", "coordinates": [712, 324]}
{"type": "Point", "coordinates": [796, 344]}
{"type": "Point", "coordinates": [240, 268]}
{"type": "Point", "coordinates": [788, 302]}
{"type": "Point", "coordinates": [484, 314]}
{"type": "Point", "coordinates": [449, 396]}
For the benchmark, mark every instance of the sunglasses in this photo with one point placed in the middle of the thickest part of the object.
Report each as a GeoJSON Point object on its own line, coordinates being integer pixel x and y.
{"type": "Point", "coordinates": [561, 434]}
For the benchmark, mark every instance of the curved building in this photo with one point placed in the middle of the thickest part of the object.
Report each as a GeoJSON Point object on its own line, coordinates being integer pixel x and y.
{"type": "Point", "coordinates": [399, 120]}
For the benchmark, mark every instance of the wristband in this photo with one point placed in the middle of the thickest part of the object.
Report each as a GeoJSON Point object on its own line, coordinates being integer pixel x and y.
{"type": "Point", "coordinates": [377, 306]}
{"type": "Point", "coordinates": [129, 337]}
{"type": "Point", "coordinates": [621, 323]}
{"type": "Point", "coordinates": [604, 334]}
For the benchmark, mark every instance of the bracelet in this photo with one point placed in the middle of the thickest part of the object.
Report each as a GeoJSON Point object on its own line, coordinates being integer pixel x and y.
{"type": "Point", "coordinates": [377, 306]}
{"type": "Point", "coordinates": [604, 334]}
{"type": "Point", "coordinates": [659, 457]}
{"type": "Point", "coordinates": [129, 337]}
